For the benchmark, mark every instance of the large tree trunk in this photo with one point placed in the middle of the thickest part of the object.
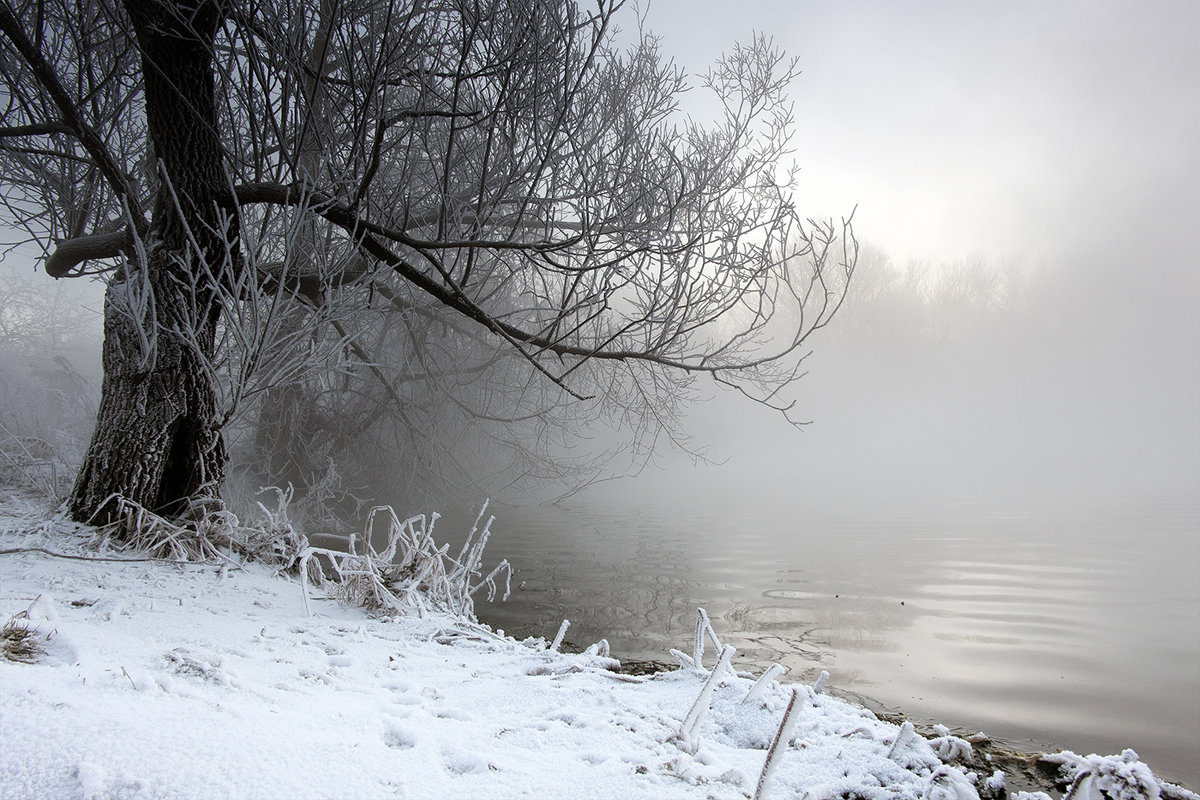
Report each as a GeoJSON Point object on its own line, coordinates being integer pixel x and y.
{"type": "Point", "coordinates": [158, 440]}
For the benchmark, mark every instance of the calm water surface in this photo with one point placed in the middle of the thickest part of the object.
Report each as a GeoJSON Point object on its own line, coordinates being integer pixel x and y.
{"type": "Point", "coordinates": [1073, 627]}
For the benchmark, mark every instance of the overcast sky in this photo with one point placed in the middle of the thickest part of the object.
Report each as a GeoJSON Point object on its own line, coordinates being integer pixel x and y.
{"type": "Point", "coordinates": [980, 127]}
{"type": "Point", "coordinates": [1060, 136]}
{"type": "Point", "coordinates": [1054, 133]}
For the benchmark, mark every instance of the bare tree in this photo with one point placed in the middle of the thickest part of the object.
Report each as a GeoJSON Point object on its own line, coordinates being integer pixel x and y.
{"type": "Point", "coordinates": [497, 185]}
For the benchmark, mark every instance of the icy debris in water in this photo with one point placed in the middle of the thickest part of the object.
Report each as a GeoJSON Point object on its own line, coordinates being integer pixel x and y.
{"type": "Point", "coordinates": [822, 680]}
{"type": "Point", "coordinates": [995, 782]}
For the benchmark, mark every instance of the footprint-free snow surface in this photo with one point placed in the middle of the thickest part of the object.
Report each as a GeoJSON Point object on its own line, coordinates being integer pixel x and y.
{"type": "Point", "coordinates": [158, 680]}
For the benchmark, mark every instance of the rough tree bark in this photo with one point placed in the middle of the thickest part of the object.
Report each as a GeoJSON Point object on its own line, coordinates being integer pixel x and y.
{"type": "Point", "coordinates": [157, 441]}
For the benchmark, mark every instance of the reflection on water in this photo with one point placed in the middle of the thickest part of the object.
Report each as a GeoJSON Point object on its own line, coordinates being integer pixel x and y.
{"type": "Point", "coordinates": [1077, 629]}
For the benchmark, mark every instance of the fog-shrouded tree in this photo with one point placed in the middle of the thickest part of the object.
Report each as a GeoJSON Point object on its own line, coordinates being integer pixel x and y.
{"type": "Point", "coordinates": [357, 216]}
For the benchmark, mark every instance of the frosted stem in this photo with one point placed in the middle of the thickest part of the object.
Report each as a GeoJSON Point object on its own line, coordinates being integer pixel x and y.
{"type": "Point", "coordinates": [712, 633]}
{"type": "Point", "coordinates": [699, 708]}
{"type": "Point", "coordinates": [778, 744]}
{"type": "Point", "coordinates": [685, 661]}
{"type": "Point", "coordinates": [558, 638]}
{"type": "Point", "coordinates": [764, 681]}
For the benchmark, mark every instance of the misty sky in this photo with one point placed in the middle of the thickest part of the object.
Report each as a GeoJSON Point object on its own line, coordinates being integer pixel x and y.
{"type": "Point", "coordinates": [1057, 135]}
{"type": "Point", "coordinates": [1026, 127]}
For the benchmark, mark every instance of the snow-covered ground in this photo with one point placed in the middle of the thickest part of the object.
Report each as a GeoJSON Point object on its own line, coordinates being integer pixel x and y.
{"type": "Point", "coordinates": [158, 680]}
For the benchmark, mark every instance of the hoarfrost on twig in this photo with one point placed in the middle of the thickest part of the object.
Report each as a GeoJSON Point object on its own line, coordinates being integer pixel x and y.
{"type": "Point", "coordinates": [600, 648]}
{"type": "Point", "coordinates": [782, 736]}
{"type": "Point", "coordinates": [411, 572]}
{"type": "Point", "coordinates": [703, 625]}
{"type": "Point", "coordinates": [558, 637]}
{"type": "Point", "coordinates": [685, 661]}
{"type": "Point", "coordinates": [699, 708]}
{"type": "Point", "coordinates": [764, 681]}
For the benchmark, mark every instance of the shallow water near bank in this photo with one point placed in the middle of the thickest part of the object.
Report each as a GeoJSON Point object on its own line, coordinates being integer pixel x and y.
{"type": "Point", "coordinates": [1056, 626]}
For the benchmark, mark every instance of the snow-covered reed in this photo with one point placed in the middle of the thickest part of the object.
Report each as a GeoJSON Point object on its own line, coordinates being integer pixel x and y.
{"type": "Point", "coordinates": [558, 637]}
{"type": "Point", "coordinates": [764, 681]}
{"type": "Point", "coordinates": [208, 531]}
{"type": "Point", "coordinates": [780, 743]}
{"type": "Point", "coordinates": [696, 659]}
{"type": "Point", "coordinates": [412, 572]}
{"type": "Point", "coordinates": [194, 536]}
{"type": "Point", "coordinates": [695, 715]}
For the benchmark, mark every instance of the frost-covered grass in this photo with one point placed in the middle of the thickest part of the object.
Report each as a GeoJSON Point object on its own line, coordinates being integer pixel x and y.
{"type": "Point", "coordinates": [153, 679]}
{"type": "Point", "coordinates": [19, 641]}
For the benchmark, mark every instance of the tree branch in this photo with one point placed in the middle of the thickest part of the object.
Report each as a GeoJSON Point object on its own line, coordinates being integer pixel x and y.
{"type": "Point", "coordinates": [70, 253]}
{"type": "Point", "coordinates": [88, 137]}
{"type": "Point", "coordinates": [37, 128]}
{"type": "Point", "coordinates": [452, 295]}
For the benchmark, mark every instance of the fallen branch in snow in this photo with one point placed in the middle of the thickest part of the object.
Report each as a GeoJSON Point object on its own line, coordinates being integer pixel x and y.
{"type": "Point", "coordinates": [44, 551]}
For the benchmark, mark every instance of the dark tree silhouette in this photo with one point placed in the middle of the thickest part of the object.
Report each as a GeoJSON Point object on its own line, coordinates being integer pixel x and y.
{"type": "Point", "coordinates": [267, 184]}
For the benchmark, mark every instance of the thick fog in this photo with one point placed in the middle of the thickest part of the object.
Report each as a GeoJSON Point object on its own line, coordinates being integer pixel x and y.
{"type": "Point", "coordinates": [1061, 385]}
{"type": "Point", "coordinates": [1023, 321]}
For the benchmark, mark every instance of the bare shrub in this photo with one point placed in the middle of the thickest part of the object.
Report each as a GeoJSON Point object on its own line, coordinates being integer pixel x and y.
{"type": "Point", "coordinates": [412, 572]}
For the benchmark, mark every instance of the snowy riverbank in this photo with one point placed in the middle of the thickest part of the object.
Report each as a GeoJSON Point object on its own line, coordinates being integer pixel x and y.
{"type": "Point", "coordinates": [156, 680]}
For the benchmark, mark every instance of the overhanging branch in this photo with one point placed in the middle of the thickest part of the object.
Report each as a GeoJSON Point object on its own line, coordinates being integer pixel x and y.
{"type": "Point", "coordinates": [35, 129]}
{"type": "Point", "coordinates": [70, 253]}
{"type": "Point", "coordinates": [453, 296]}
